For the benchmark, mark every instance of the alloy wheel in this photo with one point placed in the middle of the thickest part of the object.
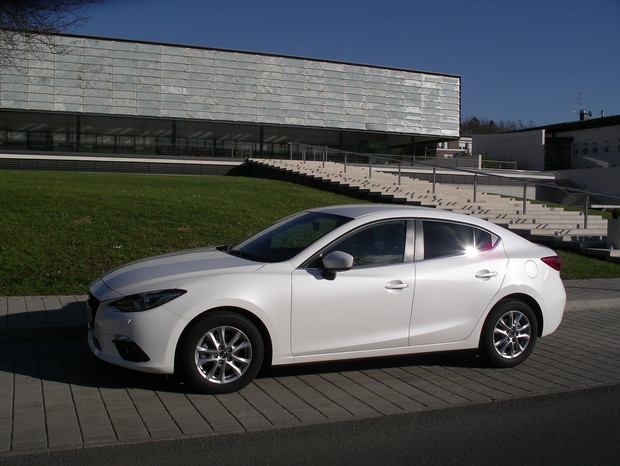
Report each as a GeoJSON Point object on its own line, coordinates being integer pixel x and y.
{"type": "Point", "coordinates": [512, 334]}
{"type": "Point", "coordinates": [223, 355]}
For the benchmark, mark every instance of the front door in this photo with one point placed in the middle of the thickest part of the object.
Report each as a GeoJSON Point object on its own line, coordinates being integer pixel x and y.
{"type": "Point", "coordinates": [367, 307]}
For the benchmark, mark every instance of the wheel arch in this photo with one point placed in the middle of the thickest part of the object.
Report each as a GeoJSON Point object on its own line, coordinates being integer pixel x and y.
{"type": "Point", "coordinates": [237, 310]}
{"type": "Point", "coordinates": [531, 302]}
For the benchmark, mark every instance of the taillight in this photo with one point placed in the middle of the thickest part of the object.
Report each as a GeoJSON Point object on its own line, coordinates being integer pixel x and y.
{"type": "Point", "coordinates": [555, 262]}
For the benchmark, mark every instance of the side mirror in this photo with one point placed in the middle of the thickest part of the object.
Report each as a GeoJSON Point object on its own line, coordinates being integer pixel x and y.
{"type": "Point", "coordinates": [336, 261]}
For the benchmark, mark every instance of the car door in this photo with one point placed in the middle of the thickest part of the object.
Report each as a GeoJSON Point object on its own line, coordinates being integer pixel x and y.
{"type": "Point", "coordinates": [364, 308]}
{"type": "Point", "coordinates": [459, 269]}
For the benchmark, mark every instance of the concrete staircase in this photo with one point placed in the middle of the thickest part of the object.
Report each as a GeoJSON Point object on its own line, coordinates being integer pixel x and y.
{"type": "Point", "coordinates": [539, 223]}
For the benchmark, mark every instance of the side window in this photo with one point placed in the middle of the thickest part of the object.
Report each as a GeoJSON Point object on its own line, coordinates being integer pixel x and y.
{"type": "Point", "coordinates": [442, 239]}
{"type": "Point", "coordinates": [378, 244]}
{"type": "Point", "coordinates": [301, 235]}
{"type": "Point", "coordinates": [485, 241]}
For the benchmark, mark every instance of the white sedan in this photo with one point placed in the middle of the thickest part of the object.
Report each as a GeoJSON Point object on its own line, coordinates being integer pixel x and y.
{"type": "Point", "coordinates": [328, 284]}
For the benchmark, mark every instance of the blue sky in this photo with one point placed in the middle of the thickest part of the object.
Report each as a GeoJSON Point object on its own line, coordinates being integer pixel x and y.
{"type": "Point", "coordinates": [528, 60]}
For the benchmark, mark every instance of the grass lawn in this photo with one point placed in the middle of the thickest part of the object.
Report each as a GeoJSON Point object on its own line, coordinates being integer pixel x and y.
{"type": "Point", "coordinates": [59, 231]}
{"type": "Point", "coordinates": [577, 266]}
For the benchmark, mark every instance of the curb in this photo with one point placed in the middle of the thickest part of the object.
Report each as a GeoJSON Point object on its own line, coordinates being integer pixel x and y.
{"type": "Point", "coordinates": [592, 304]}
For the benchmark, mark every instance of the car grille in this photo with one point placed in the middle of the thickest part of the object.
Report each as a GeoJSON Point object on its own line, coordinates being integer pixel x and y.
{"type": "Point", "coordinates": [93, 304]}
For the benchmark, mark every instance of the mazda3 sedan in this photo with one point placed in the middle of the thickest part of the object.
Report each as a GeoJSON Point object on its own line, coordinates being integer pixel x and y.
{"type": "Point", "coordinates": [326, 284]}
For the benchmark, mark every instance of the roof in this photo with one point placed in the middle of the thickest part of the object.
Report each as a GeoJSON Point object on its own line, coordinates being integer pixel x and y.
{"type": "Point", "coordinates": [577, 125]}
{"type": "Point", "coordinates": [357, 211]}
{"type": "Point", "coordinates": [365, 212]}
{"type": "Point", "coordinates": [362, 210]}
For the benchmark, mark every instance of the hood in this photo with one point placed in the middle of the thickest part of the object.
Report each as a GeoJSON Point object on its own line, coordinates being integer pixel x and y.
{"type": "Point", "coordinates": [173, 270]}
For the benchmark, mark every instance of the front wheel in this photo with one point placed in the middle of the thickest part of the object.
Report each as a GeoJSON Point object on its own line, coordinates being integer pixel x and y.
{"type": "Point", "coordinates": [509, 334]}
{"type": "Point", "coordinates": [221, 353]}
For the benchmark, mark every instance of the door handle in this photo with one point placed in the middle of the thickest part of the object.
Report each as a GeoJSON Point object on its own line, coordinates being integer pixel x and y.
{"type": "Point", "coordinates": [397, 286]}
{"type": "Point", "coordinates": [486, 274]}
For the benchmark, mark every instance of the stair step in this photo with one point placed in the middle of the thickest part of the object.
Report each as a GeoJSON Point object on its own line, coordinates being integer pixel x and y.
{"type": "Point", "coordinates": [539, 223]}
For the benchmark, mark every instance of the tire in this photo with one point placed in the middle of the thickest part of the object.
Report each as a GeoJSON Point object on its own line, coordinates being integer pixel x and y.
{"type": "Point", "coordinates": [221, 353]}
{"type": "Point", "coordinates": [509, 334]}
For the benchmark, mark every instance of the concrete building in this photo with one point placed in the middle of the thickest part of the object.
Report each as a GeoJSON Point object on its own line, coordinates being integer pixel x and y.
{"type": "Point", "coordinates": [117, 96]}
{"type": "Point", "coordinates": [584, 154]}
{"type": "Point", "coordinates": [456, 148]}
{"type": "Point", "coordinates": [593, 143]}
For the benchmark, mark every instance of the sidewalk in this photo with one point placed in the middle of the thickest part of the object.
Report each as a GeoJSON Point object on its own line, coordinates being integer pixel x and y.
{"type": "Point", "coordinates": [55, 395]}
{"type": "Point", "coordinates": [27, 318]}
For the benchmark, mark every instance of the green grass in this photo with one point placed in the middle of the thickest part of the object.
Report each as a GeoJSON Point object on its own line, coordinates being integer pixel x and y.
{"type": "Point", "coordinates": [577, 266]}
{"type": "Point", "coordinates": [59, 231]}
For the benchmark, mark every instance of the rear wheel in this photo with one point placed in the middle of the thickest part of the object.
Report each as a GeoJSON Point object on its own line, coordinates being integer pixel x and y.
{"type": "Point", "coordinates": [509, 334]}
{"type": "Point", "coordinates": [221, 353]}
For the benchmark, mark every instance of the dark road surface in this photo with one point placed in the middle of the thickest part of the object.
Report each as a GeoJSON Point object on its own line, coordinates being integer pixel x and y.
{"type": "Point", "coordinates": [576, 427]}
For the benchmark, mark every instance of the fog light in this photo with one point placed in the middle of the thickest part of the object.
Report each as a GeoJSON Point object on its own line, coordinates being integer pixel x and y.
{"type": "Point", "coordinates": [129, 350]}
{"type": "Point", "coordinates": [96, 343]}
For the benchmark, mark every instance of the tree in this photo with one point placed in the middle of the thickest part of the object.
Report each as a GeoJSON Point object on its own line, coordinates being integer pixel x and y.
{"type": "Point", "coordinates": [30, 26]}
{"type": "Point", "coordinates": [474, 125]}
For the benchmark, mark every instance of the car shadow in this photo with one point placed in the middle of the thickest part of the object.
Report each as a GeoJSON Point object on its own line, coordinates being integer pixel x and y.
{"type": "Point", "coordinates": [450, 359]}
{"type": "Point", "coordinates": [70, 321]}
{"type": "Point", "coordinates": [71, 362]}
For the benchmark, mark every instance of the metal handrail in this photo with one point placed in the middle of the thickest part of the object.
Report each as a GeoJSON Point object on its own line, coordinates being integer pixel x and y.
{"type": "Point", "coordinates": [389, 160]}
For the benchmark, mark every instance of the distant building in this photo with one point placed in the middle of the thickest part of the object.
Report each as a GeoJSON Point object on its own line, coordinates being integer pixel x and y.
{"type": "Point", "coordinates": [589, 143]}
{"type": "Point", "coordinates": [457, 148]}
{"type": "Point", "coordinates": [120, 96]}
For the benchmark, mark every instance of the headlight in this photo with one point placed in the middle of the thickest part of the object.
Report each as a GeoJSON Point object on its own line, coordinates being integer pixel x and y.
{"type": "Point", "coordinates": [146, 301]}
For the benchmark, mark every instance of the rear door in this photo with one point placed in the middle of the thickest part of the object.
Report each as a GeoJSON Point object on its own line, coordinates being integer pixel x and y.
{"type": "Point", "coordinates": [459, 269]}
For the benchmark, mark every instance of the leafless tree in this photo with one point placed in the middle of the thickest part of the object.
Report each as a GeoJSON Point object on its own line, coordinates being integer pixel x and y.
{"type": "Point", "coordinates": [30, 26]}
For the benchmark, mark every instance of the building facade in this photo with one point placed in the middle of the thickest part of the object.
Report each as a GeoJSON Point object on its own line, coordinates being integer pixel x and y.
{"type": "Point", "coordinates": [117, 96]}
{"type": "Point", "coordinates": [585, 144]}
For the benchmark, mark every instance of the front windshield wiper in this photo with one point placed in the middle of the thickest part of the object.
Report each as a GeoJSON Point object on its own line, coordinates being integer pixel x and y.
{"type": "Point", "coordinates": [242, 254]}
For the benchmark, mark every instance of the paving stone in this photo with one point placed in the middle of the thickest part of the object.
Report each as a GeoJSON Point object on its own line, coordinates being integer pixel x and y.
{"type": "Point", "coordinates": [153, 414]}
{"type": "Point", "coordinates": [125, 419]}
{"type": "Point", "coordinates": [217, 416]}
{"type": "Point", "coordinates": [6, 434]}
{"type": "Point", "coordinates": [462, 386]}
{"type": "Point", "coordinates": [246, 414]}
{"type": "Point", "coordinates": [304, 412]}
{"type": "Point", "coordinates": [274, 412]}
{"type": "Point", "coordinates": [64, 433]}
{"type": "Point", "coordinates": [4, 310]}
{"type": "Point", "coordinates": [53, 393]}
{"type": "Point", "coordinates": [342, 391]}
{"type": "Point", "coordinates": [36, 313]}
{"type": "Point", "coordinates": [356, 391]}
{"type": "Point", "coordinates": [388, 400]}
{"type": "Point", "coordinates": [184, 414]}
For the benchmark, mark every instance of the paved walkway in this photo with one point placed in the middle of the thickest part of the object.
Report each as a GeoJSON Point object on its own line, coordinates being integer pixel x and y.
{"type": "Point", "coordinates": [55, 395]}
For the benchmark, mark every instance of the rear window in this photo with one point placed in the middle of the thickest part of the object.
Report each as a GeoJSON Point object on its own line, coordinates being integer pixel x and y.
{"type": "Point", "coordinates": [445, 239]}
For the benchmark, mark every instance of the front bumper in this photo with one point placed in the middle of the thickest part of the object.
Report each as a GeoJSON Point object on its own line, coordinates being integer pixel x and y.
{"type": "Point", "coordinates": [144, 341]}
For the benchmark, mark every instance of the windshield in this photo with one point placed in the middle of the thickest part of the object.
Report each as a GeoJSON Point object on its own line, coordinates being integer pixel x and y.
{"type": "Point", "coordinates": [288, 237]}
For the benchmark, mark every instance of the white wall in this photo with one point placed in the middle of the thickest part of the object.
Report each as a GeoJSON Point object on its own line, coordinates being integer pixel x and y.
{"type": "Point", "coordinates": [606, 180]}
{"type": "Point", "coordinates": [527, 148]}
{"type": "Point", "coordinates": [595, 147]}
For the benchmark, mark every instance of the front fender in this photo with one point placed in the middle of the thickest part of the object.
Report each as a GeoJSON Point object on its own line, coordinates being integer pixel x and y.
{"type": "Point", "coordinates": [265, 294]}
